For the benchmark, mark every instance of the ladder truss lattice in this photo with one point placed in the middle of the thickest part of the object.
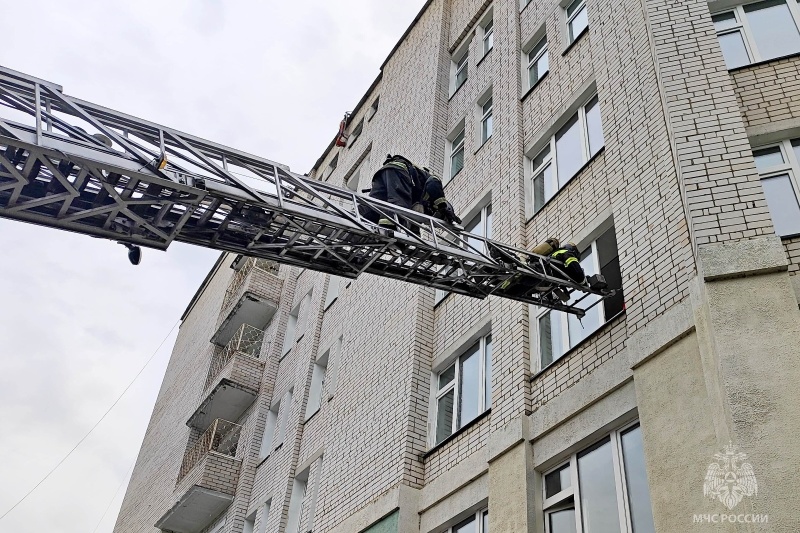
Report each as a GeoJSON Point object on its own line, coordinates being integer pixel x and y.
{"type": "Point", "coordinates": [73, 165]}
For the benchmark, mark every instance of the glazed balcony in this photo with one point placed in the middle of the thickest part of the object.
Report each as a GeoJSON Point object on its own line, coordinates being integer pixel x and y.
{"type": "Point", "coordinates": [234, 378]}
{"type": "Point", "coordinates": [207, 480]}
{"type": "Point", "coordinates": [251, 298]}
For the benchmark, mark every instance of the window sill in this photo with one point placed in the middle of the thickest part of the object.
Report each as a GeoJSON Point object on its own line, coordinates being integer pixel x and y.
{"type": "Point", "coordinates": [535, 85]}
{"type": "Point", "coordinates": [264, 460]}
{"type": "Point", "coordinates": [306, 421]}
{"type": "Point", "coordinates": [484, 143]}
{"type": "Point", "coordinates": [577, 173]}
{"type": "Point", "coordinates": [481, 60]}
{"type": "Point", "coordinates": [455, 92]}
{"type": "Point", "coordinates": [572, 350]}
{"type": "Point", "coordinates": [440, 302]}
{"type": "Point", "coordinates": [789, 237]}
{"type": "Point", "coordinates": [569, 47]}
{"type": "Point", "coordinates": [453, 177]}
{"type": "Point", "coordinates": [330, 304]}
{"type": "Point", "coordinates": [456, 433]}
{"type": "Point", "coordinates": [764, 62]}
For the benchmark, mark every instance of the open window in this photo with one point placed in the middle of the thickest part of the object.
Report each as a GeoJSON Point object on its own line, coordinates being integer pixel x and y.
{"type": "Point", "coordinates": [556, 332]}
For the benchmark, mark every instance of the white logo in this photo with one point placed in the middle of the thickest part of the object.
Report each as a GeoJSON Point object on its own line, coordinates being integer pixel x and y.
{"type": "Point", "coordinates": [730, 479]}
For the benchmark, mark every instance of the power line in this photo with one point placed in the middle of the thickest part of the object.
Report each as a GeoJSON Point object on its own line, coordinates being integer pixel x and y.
{"type": "Point", "coordinates": [94, 426]}
{"type": "Point", "coordinates": [121, 483]}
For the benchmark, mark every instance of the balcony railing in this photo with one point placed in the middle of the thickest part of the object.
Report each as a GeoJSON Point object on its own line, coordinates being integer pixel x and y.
{"type": "Point", "coordinates": [221, 437]}
{"type": "Point", "coordinates": [247, 340]}
{"type": "Point", "coordinates": [240, 277]}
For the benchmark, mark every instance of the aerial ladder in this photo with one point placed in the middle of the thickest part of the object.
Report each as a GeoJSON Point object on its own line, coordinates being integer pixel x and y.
{"type": "Point", "coordinates": [73, 165]}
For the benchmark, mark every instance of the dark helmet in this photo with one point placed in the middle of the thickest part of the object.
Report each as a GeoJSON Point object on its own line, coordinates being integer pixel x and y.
{"type": "Point", "coordinates": [572, 248]}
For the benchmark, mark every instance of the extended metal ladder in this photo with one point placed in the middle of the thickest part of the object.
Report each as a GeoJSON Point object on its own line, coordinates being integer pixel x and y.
{"type": "Point", "coordinates": [73, 165]}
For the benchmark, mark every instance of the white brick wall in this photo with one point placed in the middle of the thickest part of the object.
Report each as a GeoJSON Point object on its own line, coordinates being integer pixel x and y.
{"type": "Point", "coordinates": [676, 172]}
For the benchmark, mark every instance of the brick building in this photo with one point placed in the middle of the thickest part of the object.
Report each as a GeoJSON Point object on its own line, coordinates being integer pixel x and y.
{"type": "Point", "coordinates": [660, 137]}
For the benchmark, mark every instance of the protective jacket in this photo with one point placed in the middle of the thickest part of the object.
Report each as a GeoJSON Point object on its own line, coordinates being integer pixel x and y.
{"type": "Point", "coordinates": [400, 182]}
{"type": "Point", "coordinates": [572, 265]}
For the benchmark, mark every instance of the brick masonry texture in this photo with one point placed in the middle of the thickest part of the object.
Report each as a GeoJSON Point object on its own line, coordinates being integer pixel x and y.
{"type": "Point", "coordinates": [675, 172]}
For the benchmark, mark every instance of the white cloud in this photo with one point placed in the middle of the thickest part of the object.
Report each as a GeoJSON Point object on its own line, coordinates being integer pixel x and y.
{"type": "Point", "coordinates": [76, 320]}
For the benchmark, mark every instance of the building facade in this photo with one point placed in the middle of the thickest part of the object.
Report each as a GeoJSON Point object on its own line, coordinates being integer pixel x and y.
{"type": "Point", "coordinates": [661, 136]}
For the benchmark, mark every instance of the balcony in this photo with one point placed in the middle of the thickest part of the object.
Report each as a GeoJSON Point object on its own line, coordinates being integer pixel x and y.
{"type": "Point", "coordinates": [252, 298]}
{"type": "Point", "coordinates": [207, 480]}
{"type": "Point", "coordinates": [233, 380]}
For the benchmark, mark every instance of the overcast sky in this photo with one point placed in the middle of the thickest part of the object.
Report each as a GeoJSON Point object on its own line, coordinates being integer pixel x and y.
{"type": "Point", "coordinates": [77, 321]}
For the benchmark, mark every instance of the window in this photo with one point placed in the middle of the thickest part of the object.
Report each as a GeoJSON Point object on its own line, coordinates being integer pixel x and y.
{"type": "Point", "coordinates": [557, 332]}
{"type": "Point", "coordinates": [487, 122]}
{"type": "Point", "coordinates": [481, 226]}
{"type": "Point", "coordinates": [303, 502]}
{"type": "Point", "coordinates": [457, 153]}
{"type": "Point", "coordinates": [602, 488]}
{"type": "Point", "coordinates": [577, 19]}
{"type": "Point", "coordinates": [334, 285]}
{"type": "Point", "coordinates": [262, 528]}
{"type": "Point", "coordinates": [333, 361]}
{"type": "Point", "coordinates": [758, 32]}
{"type": "Point", "coordinates": [249, 523]}
{"type": "Point", "coordinates": [291, 330]}
{"type": "Point", "coordinates": [353, 181]}
{"type": "Point", "coordinates": [571, 147]}
{"type": "Point", "coordinates": [296, 501]}
{"type": "Point", "coordinates": [269, 430]}
{"type": "Point", "coordinates": [538, 62]}
{"type": "Point", "coordinates": [460, 71]}
{"type": "Point", "coordinates": [303, 316]}
{"type": "Point", "coordinates": [373, 108]}
{"type": "Point", "coordinates": [477, 523]}
{"type": "Point", "coordinates": [279, 420]}
{"type": "Point", "coordinates": [332, 166]}
{"type": "Point", "coordinates": [356, 133]}
{"type": "Point", "coordinates": [317, 384]}
{"type": "Point", "coordinates": [779, 168]}
{"type": "Point", "coordinates": [488, 36]}
{"type": "Point", "coordinates": [464, 389]}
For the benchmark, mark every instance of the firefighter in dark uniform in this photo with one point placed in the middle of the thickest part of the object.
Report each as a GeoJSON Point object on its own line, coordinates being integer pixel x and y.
{"type": "Point", "coordinates": [569, 256]}
{"type": "Point", "coordinates": [400, 182]}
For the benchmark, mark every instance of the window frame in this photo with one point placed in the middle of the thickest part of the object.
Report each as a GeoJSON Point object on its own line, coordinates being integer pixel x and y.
{"type": "Point", "coordinates": [459, 131]}
{"type": "Point", "coordinates": [790, 167]}
{"type": "Point", "coordinates": [456, 385]}
{"type": "Point", "coordinates": [484, 211]}
{"type": "Point", "coordinates": [531, 62]}
{"type": "Point", "coordinates": [571, 18]}
{"type": "Point", "coordinates": [332, 295]}
{"type": "Point", "coordinates": [319, 374]}
{"type": "Point", "coordinates": [537, 313]}
{"type": "Point", "coordinates": [476, 516]}
{"type": "Point", "coordinates": [748, 37]}
{"type": "Point", "coordinates": [561, 501]}
{"type": "Point", "coordinates": [488, 34]}
{"type": "Point", "coordinates": [264, 516]}
{"type": "Point", "coordinates": [355, 133]}
{"type": "Point", "coordinates": [487, 120]}
{"type": "Point", "coordinates": [373, 109]}
{"type": "Point", "coordinates": [331, 167]}
{"type": "Point", "coordinates": [459, 62]}
{"type": "Point", "coordinates": [552, 158]}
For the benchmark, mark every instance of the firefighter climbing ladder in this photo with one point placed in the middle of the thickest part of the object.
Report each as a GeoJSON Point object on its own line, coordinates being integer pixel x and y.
{"type": "Point", "coordinates": [73, 165]}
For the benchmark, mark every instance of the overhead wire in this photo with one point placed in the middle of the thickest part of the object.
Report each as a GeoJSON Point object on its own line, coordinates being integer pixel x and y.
{"type": "Point", "coordinates": [52, 470]}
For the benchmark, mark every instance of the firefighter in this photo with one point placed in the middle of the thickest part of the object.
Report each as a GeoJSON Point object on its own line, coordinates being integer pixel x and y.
{"type": "Point", "coordinates": [401, 183]}
{"type": "Point", "coordinates": [569, 256]}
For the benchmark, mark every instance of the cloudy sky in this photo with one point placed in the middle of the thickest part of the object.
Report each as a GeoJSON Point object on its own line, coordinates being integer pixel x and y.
{"type": "Point", "coordinates": [77, 321]}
